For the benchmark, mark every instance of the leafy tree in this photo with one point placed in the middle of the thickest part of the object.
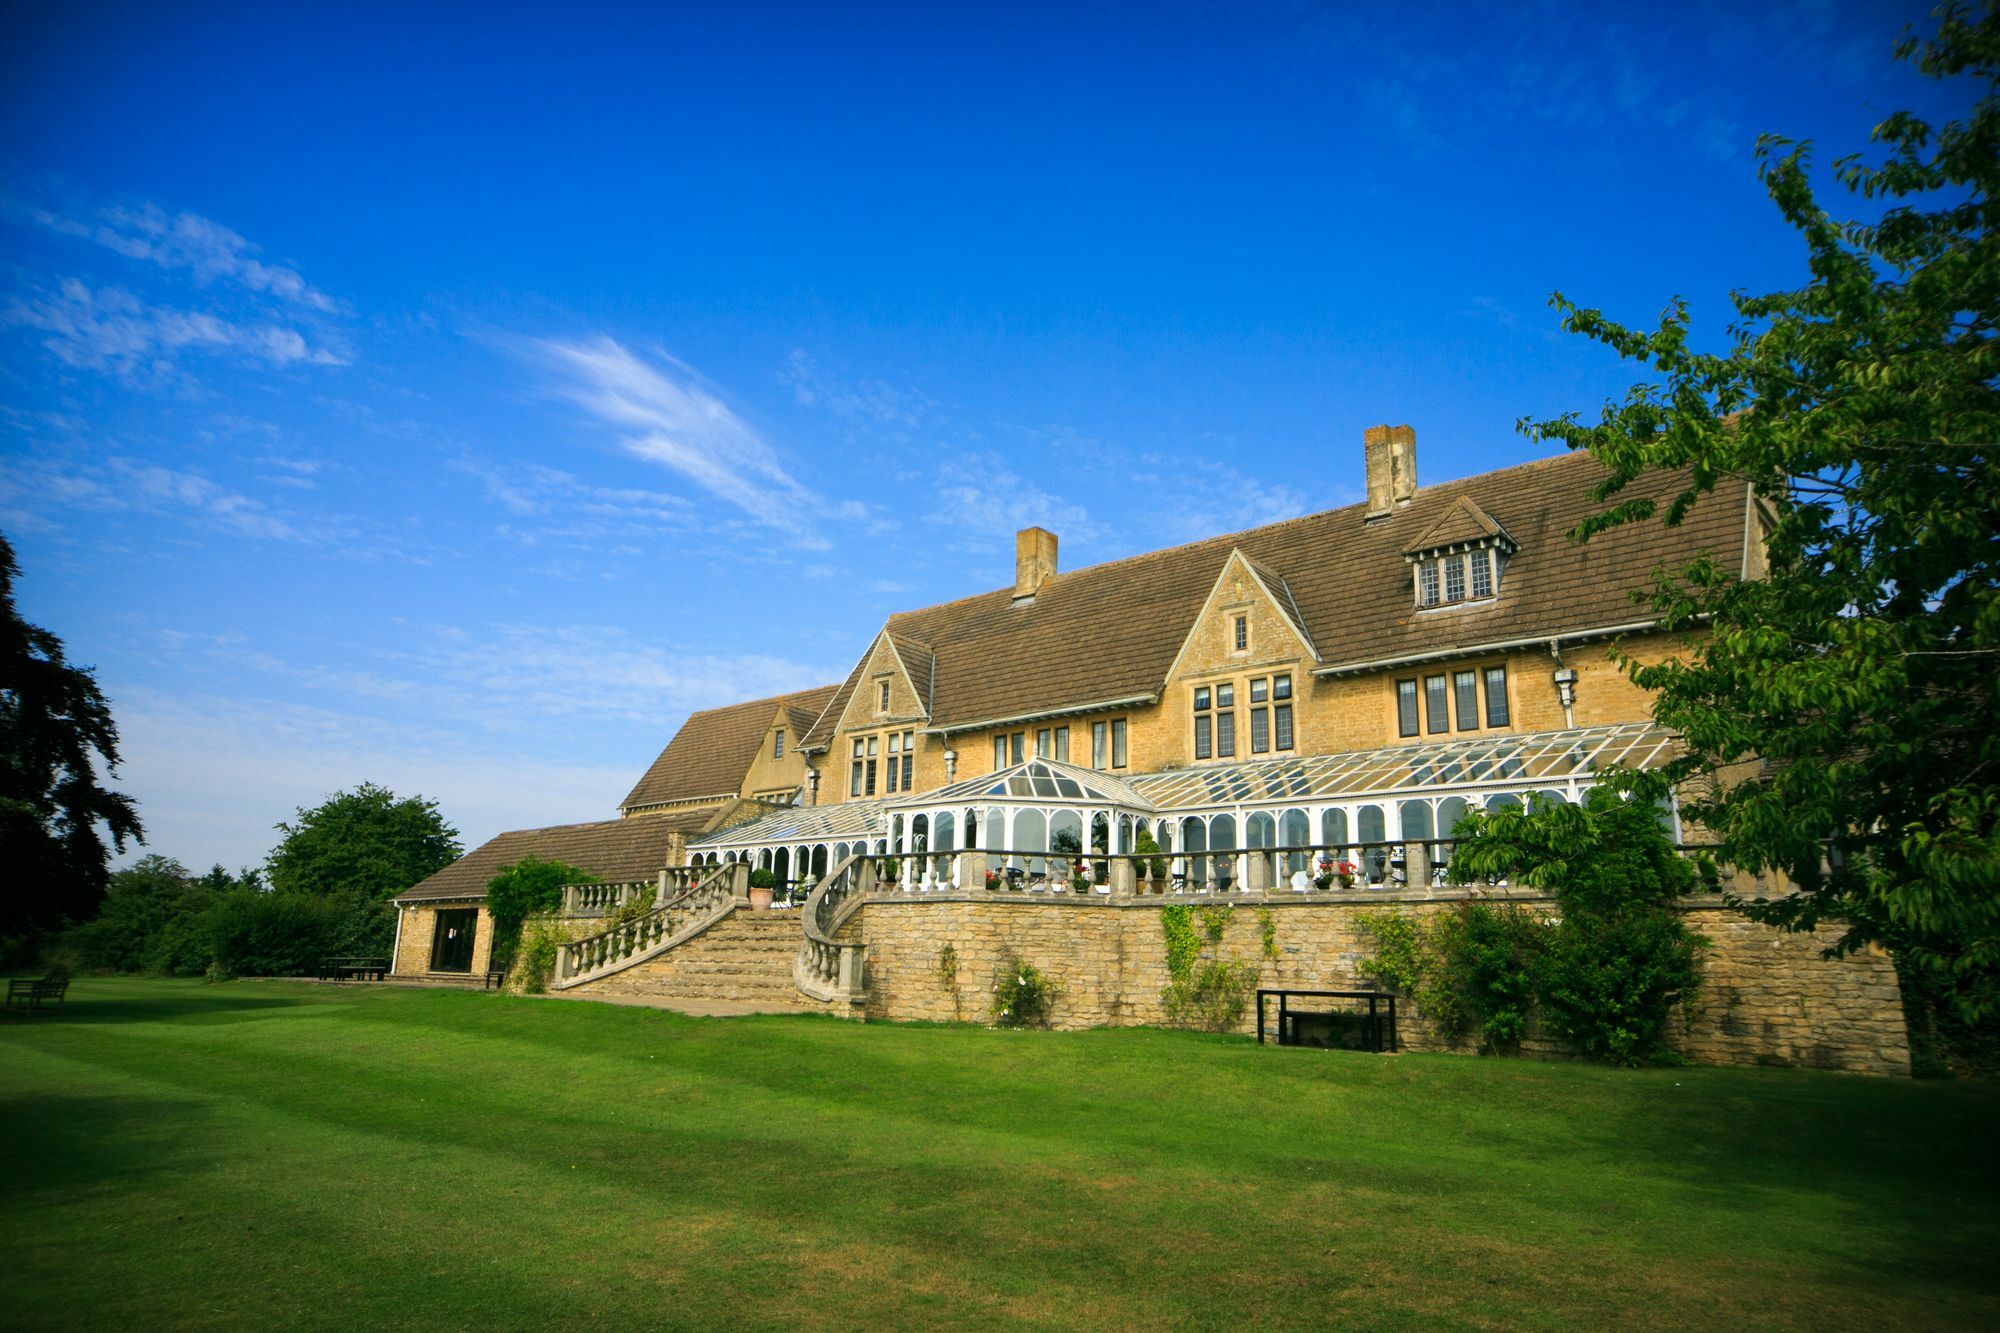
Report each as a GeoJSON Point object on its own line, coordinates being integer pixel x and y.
{"type": "Point", "coordinates": [361, 848]}
{"type": "Point", "coordinates": [524, 889]}
{"type": "Point", "coordinates": [156, 918]}
{"type": "Point", "coordinates": [1844, 711]}
{"type": "Point", "coordinates": [367, 844]}
{"type": "Point", "coordinates": [1619, 959]}
{"type": "Point", "coordinates": [54, 726]}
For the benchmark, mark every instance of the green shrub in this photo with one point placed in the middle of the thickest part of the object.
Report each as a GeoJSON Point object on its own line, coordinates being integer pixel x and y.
{"type": "Point", "coordinates": [1023, 995]}
{"type": "Point", "coordinates": [1213, 999]}
{"type": "Point", "coordinates": [763, 879]}
{"type": "Point", "coordinates": [1473, 972]}
{"type": "Point", "coordinates": [1144, 844]}
{"type": "Point", "coordinates": [535, 959]}
{"type": "Point", "coordinates": [529, 887]}
{"type": "Point", "coordinates": [254, 934]}
{"type": "Point", "coordinates": [1610, 981]}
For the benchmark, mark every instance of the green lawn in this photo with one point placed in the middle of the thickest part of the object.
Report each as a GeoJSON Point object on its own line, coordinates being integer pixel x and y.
{"type": "Point", "coordinates": [187, 1155]}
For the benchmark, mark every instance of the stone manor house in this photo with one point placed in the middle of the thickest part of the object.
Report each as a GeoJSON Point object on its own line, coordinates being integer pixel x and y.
{"type": "Point", "coordinates": [1270, 707]}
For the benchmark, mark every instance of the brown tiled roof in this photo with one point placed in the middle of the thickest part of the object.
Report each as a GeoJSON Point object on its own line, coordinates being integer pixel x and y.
{"type": "Point", "coordinates": [1465, 521]}
{"type": "Point", "coordinates": [1111, 631]}
{"type": "Point", "coordinates": [713, 750]}
{"type": "Point", "coordinates": [921, 664]}
{"type": "Point", "coordinates": [614, 849]}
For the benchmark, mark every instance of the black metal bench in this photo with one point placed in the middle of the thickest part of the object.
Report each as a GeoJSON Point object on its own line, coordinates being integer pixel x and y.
{"type": "Point", "coordinates": [1289, 1025]}
{"type": "Point", "coordinates": [496, 978]}
{"type": "Point", "coordinates": [31, 993]}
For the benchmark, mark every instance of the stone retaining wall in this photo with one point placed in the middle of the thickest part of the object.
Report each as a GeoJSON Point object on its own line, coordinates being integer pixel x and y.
{"type": "Point", "coordinates": [1770, 999]}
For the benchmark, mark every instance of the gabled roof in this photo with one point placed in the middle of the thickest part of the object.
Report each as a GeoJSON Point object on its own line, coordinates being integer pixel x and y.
{"type": "Point", "coordinates": [921, 665]}
{"type": "Point", "coordinates": [1464, 522]}
{"type": "Point", "coordinates": [1109, 632]}
{"type": "Point", "coordinates": [612, 849]}
{"type": "Point", "coordinates": [1288, 605]}
{"type": "Point", "coordinates": [712, 752]}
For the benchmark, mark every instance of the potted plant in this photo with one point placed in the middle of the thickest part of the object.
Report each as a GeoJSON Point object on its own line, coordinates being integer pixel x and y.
{"type": "Point", "coordinates": [761, 884]}
{"type": "Point", "coordinates": [1151, 869]}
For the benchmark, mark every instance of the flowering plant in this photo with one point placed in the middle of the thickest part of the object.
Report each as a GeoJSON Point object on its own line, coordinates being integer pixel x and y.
{"type": "Point", "coordinates": [1022, 995]}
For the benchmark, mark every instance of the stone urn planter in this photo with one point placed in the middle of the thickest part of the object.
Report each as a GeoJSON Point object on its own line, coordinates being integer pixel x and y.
{"type": "Point", "coordinates": [760, 898]}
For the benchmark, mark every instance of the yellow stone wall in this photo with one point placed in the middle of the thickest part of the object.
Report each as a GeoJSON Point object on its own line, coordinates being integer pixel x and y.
{"type": "Point", "coordinates": [419, 925]}
{"type": "Point", "coordinates": [1770, 999]}
{"type": "Point", "coordinates": [766, 774]}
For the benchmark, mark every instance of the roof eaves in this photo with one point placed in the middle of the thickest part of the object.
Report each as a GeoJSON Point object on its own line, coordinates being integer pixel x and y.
{"type": "Point", "coordinates": [1476, 649]}
{"type": "Point", "coordinates": [1067, 710]}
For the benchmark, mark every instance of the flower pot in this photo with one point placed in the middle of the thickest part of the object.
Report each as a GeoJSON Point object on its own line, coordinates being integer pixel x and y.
{"type": "Point", "coordinates": [760, 899]}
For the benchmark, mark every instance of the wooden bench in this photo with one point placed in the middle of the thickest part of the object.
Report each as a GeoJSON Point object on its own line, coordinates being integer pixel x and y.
{"type": "Point", "coordinates": [354, 968]}
{"type": "Point", "coordinates": [31, 993]}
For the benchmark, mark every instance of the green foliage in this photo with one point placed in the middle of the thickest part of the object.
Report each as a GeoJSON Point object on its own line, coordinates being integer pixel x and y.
{"type": "Point", "coordinates": [947, 972]}
{"type": "Point", "coordinates": [1267, 926]}
{"type": "Point", "coordinates": [1860, 681]}
{"type": "Point", "coordinates": [1023, 995]}
{"type": "Point", "coordinates": [1621, 956]}
{"type": "Point", "coordinates": [367, 844]}
{"type": "Point", "coordinates": [1473, 972]}
{"type": "Point", "coordinates": [1144, 844]}
{"type": "Point", "coordinates": [1183, 945]}
{"type": "Point", "coordinates": [529, 887]}
{"type": "Point", "coordinates": [253, 934]}
{"type": "Point", "coordinates": [1203, 990]}
{"type": "Point", "coordinates": [1609, 982]}
{"type": "Point", "coordinates": [535, 959]}
{"type": "Point", "coordinates": [763, 879]}
{"type": "Point", "coordinates": [54, 727]}
{"type": "Point", "coordinates": [1213, 998]}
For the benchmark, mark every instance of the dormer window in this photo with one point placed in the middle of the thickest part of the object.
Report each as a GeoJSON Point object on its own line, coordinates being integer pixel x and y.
{"type": "Point", "coordinates": [1461, 558]}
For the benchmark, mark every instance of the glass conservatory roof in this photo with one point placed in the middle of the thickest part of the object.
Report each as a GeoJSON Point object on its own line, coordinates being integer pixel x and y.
{"type": "Point", "coordinates": [817, 823]}
{"type": "Point", "coordinates": [1037, 780]}
{"type": "Point", "coordinates": [1541, 756]}
{"type": "Point", "coordinates": [1435, 767]}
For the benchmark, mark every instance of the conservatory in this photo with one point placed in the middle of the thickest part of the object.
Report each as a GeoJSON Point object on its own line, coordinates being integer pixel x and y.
{"type": "Point", "coordinates": [1033, 818]}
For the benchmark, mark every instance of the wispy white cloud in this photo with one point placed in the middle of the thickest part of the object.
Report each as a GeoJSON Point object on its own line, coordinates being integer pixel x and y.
{"type": "Point", "coordinates": [568, 508]}
{"type": "Point", "coordinates": [111, 329]}
{"type": "Point", "coordinates": [33, 488]}
{"type": "Point", "coordinates": [186, 242]}
{"type": "Point", "coordinates": [866, 404]}
{"type": "Point", "coordinates": [667, 414]}
{"type": "Point", "coordinates": [982, 502]}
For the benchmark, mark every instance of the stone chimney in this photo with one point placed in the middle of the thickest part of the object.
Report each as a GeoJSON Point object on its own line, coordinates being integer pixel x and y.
{"type": "Point", "coordinates": [1391, 454]}
{"type": "Point", "coordinates": [1034, 561]}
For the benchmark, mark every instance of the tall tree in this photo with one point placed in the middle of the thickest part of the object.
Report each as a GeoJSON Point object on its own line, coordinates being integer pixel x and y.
{"type": "Point", "coordinates": [1858, 684]}
{"type": "Point", "coordinates": [54, 815]}
{"type": "Point", "coordinates": [367, 844]}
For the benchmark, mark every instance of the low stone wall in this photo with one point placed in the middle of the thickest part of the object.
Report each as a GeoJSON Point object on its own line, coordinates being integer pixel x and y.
{"type": "Point", "coordinates": [1769, 998]}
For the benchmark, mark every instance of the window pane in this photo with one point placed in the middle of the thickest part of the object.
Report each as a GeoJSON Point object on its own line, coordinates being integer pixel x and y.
{"type": "Point", "coordinates": [1454, 578]}
{"type": "Point", "coordinates": [873, 741]}
{"type": "Point", "coordinates": [1427, 583]}
{"type": "Point", "coordinates": [778, 744]}
{"type": "Point", "coordinates": [1225, 696]}
{"type": "Point", "coordinates": [999, 753]}
{"type": "Point", "coordinates": [1201, 697]}
{"type": "Point", "coordinates": [1496, 696]}
{"type": "Point", "coordinates": [1242, 633]}
{"type": "Point", "coordinates": [1259, 690]}
{"type": "Point", "coordinates": [1437, 716]}
{"type": "Point", "coordinates": [1282, 715]}
{"type": "Point", "coordinates": [909, 765]}
{"type": "Point", "coordinates": [1465, 692]}
{"type": "Point", "coordinates": [1281, 687]}
{"type": "Point", "coordinates": [1118, 743]}
{"type": "Point", "coordinates": [895, 742]}
{"type": "Point", "coordinates": [854, 779]}
{"type": "Point", "coordinates": [1020, 740]}
{"type": "Point", "coordinates": [885, 696]}
{"type": "Point", "coordinates": [1062, 744]}
{"type": "Point", "coordinates": [857, 747]}
{"type": "Point", "coordinates": [1482, 573]}
{"type": "Point", "coordinates": [1260, 730]}
{"type": "Point", "coordinates": [1097, 733]}
{"type": "Point", "coordinates": [868, 787]}
{"type": "Point", "coordinates": [1225, 734]}
{"type": "Point", "coordinates": [1406, 707]}
{"type": "Point", "coordinates": [1042, 743]}
{"type": "Point", "coordinates": [1201, 736]}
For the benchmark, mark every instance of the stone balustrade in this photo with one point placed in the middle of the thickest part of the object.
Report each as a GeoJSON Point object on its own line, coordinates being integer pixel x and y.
{"type": "Point", "coordinates": [699, 903]}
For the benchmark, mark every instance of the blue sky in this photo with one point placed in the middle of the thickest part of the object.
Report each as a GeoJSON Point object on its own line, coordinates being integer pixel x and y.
{"type": "Point", "coordinates": [455, 401]}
